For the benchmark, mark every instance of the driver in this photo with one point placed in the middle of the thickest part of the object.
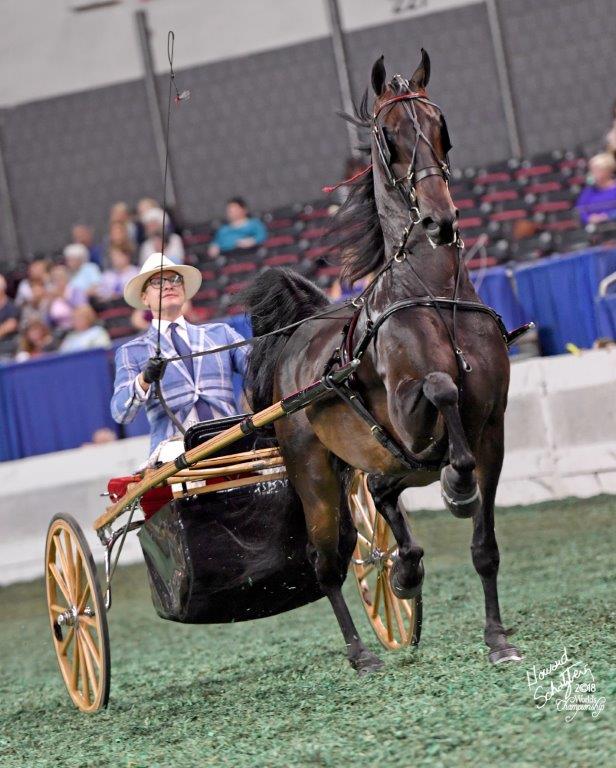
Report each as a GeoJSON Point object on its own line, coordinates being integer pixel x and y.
{"type": "Point", "coordinates": [196, 389]}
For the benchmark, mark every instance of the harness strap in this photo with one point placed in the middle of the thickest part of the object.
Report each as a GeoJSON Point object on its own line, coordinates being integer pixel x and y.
{"type": "Point", "coordinates": [474, 306]}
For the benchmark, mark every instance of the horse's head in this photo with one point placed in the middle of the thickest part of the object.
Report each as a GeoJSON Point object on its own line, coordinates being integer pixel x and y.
{"type": "Point", "coordinates": [409, 149]}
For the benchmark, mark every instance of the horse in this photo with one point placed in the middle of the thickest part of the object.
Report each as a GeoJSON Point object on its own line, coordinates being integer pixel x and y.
{"type": "Point", "coordinates": [434, 370]}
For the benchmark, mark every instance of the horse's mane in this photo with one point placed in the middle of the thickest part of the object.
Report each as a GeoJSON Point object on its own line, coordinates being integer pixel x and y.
{"type": "Point", "coordinates": [356, 229]}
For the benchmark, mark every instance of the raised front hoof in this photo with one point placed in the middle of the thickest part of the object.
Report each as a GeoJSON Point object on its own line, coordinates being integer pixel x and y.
{"type": "Point", "coordinates": [366, 663]}
{"type": "Point", "coordinates": [401, 591]}
{"type": "Point", "coordinates": [463, 505]}
{"type": "Point", "coordinates": [503, 655]}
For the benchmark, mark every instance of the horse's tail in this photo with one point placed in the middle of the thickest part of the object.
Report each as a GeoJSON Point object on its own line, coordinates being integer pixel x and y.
{"type": "Point", "coordinates": [277, 297]}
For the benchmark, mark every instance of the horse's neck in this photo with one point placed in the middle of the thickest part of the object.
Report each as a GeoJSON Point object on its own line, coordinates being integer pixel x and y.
{"type": "Point", "coordinates": [434, 269]}
{"type": "Point", "coordinates": [425, 270]}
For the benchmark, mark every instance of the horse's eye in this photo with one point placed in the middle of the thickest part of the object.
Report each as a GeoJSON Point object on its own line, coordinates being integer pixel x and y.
{"type": "Point", "coordinates": [389, 137]}
{"type": "Point", "coordinates": [445, 140]}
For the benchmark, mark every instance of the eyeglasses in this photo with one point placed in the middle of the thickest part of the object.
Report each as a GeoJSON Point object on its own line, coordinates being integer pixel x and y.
{"type": "Point", "coordinates": [157, 281]}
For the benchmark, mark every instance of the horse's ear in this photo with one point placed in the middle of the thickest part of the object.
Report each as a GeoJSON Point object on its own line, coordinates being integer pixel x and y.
{"type": "Point", "coordinates": [379, 76]}
{"type": "Point", "coordinates": [421, 75]}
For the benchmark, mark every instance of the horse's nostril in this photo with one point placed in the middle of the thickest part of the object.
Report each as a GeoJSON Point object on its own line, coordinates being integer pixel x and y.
{"type": "Point", "coordinates": [429, 225]}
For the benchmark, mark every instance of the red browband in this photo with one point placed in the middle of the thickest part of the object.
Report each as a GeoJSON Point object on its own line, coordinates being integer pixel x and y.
{"type": "Point", "coordinates": [403, 97]}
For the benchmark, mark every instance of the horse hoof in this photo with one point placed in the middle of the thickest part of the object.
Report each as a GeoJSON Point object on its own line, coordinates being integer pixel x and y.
{"type": "Point", "coordinates": [461, 505]}
{"type": "Point", "coordinates": [402, 592]}
{"type": "Point", "coordinates": [366, 663]}
{"type": "Point", "coordinates": [503, 655]}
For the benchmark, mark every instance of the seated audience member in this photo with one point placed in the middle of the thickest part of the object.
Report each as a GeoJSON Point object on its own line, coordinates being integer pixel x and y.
{"type": "Point", "coordinates": [9, 313]}
{"type": "Point", "coordinates": [38, 271]}
{"type": "Point", "coordinates": [84, 275]}
{"type": "Point", "coordinates": [118, 237]}
{"type": "Point", "coordinates": [35, 340]}
{"type": "Point", "coordinates": [153, 223]}
{"type": "Point", "coordinates": [120, 214]}
{"type": "Point", "coordinates": [84, 235]}
{"type": "Point", "coordinates": [86, 333]}
{"type": "Point", "coordinates": [597, 202]}
{"type": "Point", "coordinates": [342, 290]}
{"type": "Point", "coordinates": [114, 279]}
{"type": "Point", "coordinates": [37, 306]}
{"type": "Point", "coordinates": [64, 298]}
{"type": "Point", "coordinates": [101, 436]}
{"type": "Point", "coordinates": [143, 206]}
{"type": "Point", "coordinates": [241, 231]}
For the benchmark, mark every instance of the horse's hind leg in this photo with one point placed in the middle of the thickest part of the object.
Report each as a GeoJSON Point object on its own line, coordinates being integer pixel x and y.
{"type": "Point", "coordinates": [484, 548]}
{"type": "Point", "coordinates": [407, 572]}
{"type": "Point", "coordinates": [313, 477]}
{"type": "Point", "coordinates": [459, 487]}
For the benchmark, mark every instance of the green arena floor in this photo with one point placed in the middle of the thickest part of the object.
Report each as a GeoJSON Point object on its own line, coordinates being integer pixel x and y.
{"type": "Point", "coordinates": [278, 692]}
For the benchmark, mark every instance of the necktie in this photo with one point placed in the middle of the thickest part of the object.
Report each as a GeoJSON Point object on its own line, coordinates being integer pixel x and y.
{"type": "Point", "coordinates": [181, 347]}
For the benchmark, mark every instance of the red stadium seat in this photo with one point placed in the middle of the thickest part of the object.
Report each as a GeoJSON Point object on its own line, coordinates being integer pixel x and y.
{"type": "Point", "coordinates": [281, 259]}
{"type": "Point", "coordinates": [277, 240]}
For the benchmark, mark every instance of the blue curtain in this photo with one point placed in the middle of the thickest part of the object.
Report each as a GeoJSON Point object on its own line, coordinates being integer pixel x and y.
{"type": "Point", "coordinates": [495, 288]}
{"type": "Point", "coordinates": [53, 403]}
{"type": "Point", "coordinates": [559, 295]}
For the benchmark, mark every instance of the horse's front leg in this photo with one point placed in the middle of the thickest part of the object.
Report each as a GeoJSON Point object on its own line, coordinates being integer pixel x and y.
{"type": "Point", "coordinates": [407, 573]}
{"type": "Point", "coordinates": [459, 488]}
{"type": "Point", "coordinates": [484, 547]}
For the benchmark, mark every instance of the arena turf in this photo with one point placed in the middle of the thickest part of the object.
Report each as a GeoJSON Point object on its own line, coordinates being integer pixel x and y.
{"type": "Point", "coordinates": [278, 692]}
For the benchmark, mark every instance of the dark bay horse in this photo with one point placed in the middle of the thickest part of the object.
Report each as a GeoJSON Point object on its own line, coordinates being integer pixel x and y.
{"type": "Point", "coordinates": [435, 376]}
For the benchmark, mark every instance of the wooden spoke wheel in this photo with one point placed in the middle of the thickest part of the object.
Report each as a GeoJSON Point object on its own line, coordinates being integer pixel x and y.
{"type": "Point", "coordinates": [77, 615]}
{"type": "Point", "coordinates": [396, 622]}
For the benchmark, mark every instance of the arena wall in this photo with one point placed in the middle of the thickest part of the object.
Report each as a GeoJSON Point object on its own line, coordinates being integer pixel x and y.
{"type": "Point", "coordinates": [560, 441]}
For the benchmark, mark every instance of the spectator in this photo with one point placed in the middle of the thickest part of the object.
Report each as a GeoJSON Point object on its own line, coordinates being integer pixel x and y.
{"type": "Point", "coordinates": [120, 214]}
{"type": "Point", "coordinates": [598, 201]}
{"type": "Point", "coordinates": [84, 235]}
{"type": "Point", "coordinates": [9, 313]}
{"type": "Point", "coordinates": [36, 339]}
{"type": "Point", "coordinates": [84, 274]}
{"type": "Point", "coordinates": [37, 306]}
{"type": "Point", "coordinates": [86, 333]}
{"type": "Point", "coordinates": [113, 281]}
{"type": "Point", "coordinates": [101, 436]}
{"type": "Point", "coordinates": [242, 231]}
{"type": "Point", "coordinates": [153, 223]}
{"type": "Point", "coordinates": [118, 237]}
{"type": "Point", "coordinates": [64, 298]}
{"type": "Point", "coordinates": [38, 271]}
{"type": "Point", "coordinates": [342, 290]}
{"type": "Point", "coordinates": [144, 205]}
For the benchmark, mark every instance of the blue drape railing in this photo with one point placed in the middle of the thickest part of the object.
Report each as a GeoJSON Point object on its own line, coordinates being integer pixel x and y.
{"type": "Point", "coordinates": [57, 402]}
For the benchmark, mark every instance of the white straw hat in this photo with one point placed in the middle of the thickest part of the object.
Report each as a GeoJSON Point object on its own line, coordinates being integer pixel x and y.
{"type": "Point", "coordinates": [134, 288]}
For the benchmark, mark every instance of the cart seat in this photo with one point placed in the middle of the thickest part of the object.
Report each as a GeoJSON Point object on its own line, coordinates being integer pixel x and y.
{"type": "Point", "coordinates": [151, 501]}
{"type": "Point", "coordinates": [205, 430]}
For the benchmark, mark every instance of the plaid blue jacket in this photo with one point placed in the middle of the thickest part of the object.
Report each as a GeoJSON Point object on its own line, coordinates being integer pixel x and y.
{"type": "Point", "coordinates": [213, 374]}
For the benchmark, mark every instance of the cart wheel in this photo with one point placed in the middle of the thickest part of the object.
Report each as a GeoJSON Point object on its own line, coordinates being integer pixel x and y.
{"type": "Point", "coordinates": [396, 623]}
{"type": "Point", "coordinates": [77, 615]}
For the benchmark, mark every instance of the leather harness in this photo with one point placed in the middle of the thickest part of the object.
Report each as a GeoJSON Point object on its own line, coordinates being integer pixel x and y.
{"type": "Point", "coordinates": [350, 351]}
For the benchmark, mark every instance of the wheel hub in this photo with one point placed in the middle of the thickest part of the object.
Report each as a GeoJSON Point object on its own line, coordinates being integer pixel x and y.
{"type": "Point", "coordinates": [70, 617]}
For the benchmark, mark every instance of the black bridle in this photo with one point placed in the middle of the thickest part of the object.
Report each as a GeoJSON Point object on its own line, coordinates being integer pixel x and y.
{"type": "Point", "coordinates": [406, 185]}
